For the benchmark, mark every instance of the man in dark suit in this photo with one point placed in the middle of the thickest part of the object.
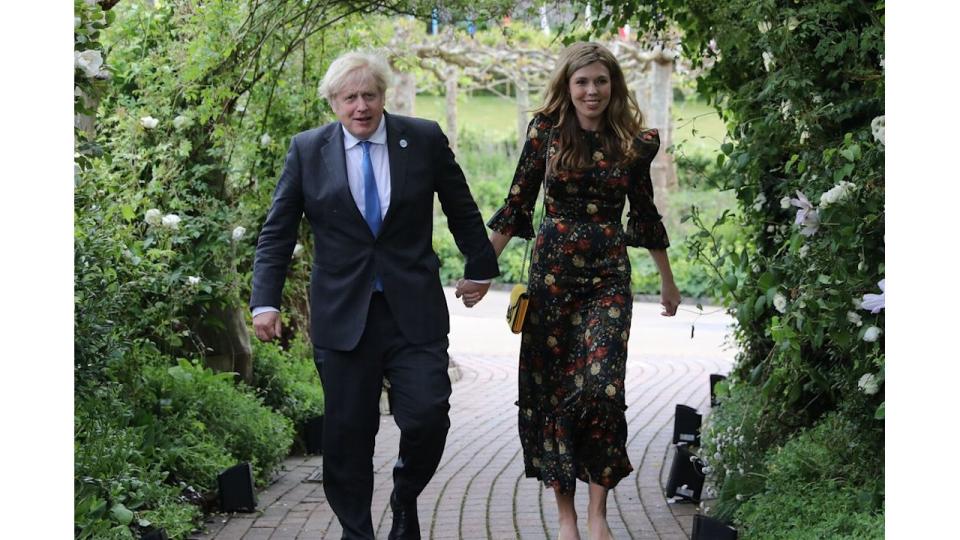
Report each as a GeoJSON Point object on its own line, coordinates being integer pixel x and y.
{"type": "Point", "coordinates": [366, 184]}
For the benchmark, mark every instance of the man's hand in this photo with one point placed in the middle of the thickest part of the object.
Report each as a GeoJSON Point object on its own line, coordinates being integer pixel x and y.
{"type": "Point", "coordinates": [471, 292]}
{"type": "Point", "coordinates": [267, 325]}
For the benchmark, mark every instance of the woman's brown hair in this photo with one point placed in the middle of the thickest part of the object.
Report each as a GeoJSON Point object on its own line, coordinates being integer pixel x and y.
{"type": "Point", "coordinates": [622, 120]}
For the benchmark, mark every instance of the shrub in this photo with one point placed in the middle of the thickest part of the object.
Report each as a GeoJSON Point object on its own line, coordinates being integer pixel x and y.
{"type": "Point", "coordinates": [190, 398]}
{"type": "Point", "coordinates": [736, 436]}
{"type": "Point", "coordinates": [287, 381]}
{"type": "Point", "coordinates": [118, 484]}
{"type": "Point", "coordinates": [826, 482]}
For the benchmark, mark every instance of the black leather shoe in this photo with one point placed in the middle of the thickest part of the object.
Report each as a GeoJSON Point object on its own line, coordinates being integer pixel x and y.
{"type": "Point", "coordinates": [406, 526]}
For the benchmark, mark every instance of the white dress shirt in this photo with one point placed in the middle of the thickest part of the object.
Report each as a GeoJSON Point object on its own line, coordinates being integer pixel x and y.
{"type": "Point", "coordinates": [381, 166]}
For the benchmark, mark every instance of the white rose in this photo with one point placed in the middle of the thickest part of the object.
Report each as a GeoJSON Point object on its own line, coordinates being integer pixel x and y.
{"type": "Point", "coordinates": [759, 202]}
{"type": "Point", "coordinates": [152, 217]}
{"type": "Point", "coordinates": [297, 250]}
{"type": "Point", "coordinates": [836, 193]}
{"type": "Point", "coordinates": [871, 334]}
{"type": "Point", "coordinates": [792, 23]}
{"type": "Point", "coordinates": [182, 121]}
{"type": "Point", "coordinates": [171, 221]}
{"type": "Point", "coordinates": [785, 107]}
{"type": "Point", "coordinates": [868, 383]}
{"type": "Point", "coordinates": [89, 61]}
{"type": "Point", "coordinates": [764, 26]}
{"type": "Point", "coordinates": [785, 202]}
{"type": "Point", "coordinates": [265, 139]}
{"type": "Point", "coordinates": [804, 136]}
{"type": "Point", "coordinates": [854, 318]}
{"type": "Point", "coordinates": [149, 122]}
{"type": "Point", "coordinates": [780, 302]}
{"type": "Point", "coordinates": [193, 280]}
{"type": "Point", "coordinates": [238, 233]}
{"type": "Point", "coordinates": [878, 127]}
{"type": "Point", "coordinates": [768, 60]}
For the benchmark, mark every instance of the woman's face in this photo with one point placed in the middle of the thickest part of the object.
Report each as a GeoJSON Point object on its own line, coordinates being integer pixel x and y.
{"type": "Point", "coordinates": [590, 93]}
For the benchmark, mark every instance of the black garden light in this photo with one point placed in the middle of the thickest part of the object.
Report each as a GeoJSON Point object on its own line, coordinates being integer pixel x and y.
{"type": "Point", "coordinates": [686, 425]}
{"type": "Point", "coordinates": [236, 489]}
{"type": "Point", "coordinates": [155, 534]}
{"type": "Point", "coordinates": [686, 475]}
{"type": "Point", "coordinates": [708, 528]}
{"type": "Point", "coordinates": [714, 379]}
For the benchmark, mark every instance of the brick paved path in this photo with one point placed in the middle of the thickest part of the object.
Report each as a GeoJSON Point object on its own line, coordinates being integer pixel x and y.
{"type": "Point", "coordinates": [479, 490]}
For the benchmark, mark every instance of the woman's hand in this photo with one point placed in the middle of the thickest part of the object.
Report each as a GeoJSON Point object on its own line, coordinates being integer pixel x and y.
{"type": "Point", "coordinates": [669, 298]}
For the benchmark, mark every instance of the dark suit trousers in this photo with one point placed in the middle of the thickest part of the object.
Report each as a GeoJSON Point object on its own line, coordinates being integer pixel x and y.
{"type": "Point", "coordinates": [419, 401]}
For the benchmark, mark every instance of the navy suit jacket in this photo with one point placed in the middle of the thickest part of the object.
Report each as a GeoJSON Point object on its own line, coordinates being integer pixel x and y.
{"type": "Point", "coordinates": [347, 255]}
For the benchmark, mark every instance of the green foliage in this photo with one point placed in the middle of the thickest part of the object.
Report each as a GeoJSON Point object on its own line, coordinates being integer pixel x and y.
{"type": "Point", "coordinates": [287, 381]}
{"type": "Point", "coordinates": [118, 483]}
{"type": "Point", "coordinates": [812, 490]}
{"type": "Point", "coordinates": [193, 401]}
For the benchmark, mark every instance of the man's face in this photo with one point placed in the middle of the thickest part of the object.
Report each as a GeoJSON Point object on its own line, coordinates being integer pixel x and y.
{"type": "Point", "coordinates": [359, 105]}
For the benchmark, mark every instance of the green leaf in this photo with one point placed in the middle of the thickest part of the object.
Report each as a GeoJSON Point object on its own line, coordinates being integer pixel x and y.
{"type": "Point", "coordinates": [121, 513]}
{"type": "Point", "coordinates": [794, 392]}
{"type": "Point", "coordinates": [731, 281]}
{"type": "Point", "coordinates": [789, 165]}
{"type": "Point", "coordinates": [766, 281]}
{"type": "Point", "coordinates": [881, 413]}
{"type": "Point", "coordinates": [127, 213]}
{"type": "Point", "coordinates": [726, 148]}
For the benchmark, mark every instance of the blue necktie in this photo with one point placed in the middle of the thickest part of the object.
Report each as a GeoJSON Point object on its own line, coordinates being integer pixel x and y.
{"type": "Point", "coordinates": [371, 199]}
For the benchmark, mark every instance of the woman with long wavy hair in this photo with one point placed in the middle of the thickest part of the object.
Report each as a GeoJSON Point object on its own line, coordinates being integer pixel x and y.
{"type": "Point", "coordinates": [587, 146]}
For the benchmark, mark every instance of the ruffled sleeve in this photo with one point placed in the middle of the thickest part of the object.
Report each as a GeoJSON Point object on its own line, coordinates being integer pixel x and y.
{"type": "Point", "coordinates": [644, 228]}
{"type": "Point", "coordinates": [515, 217]}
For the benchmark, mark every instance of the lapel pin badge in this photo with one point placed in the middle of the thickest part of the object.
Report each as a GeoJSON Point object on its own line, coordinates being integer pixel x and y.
{"type": "Point", "coordinates": [403, 143]}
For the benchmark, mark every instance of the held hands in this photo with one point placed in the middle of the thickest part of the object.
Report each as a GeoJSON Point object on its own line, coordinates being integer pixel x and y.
{"type": "Point", "coordinates": [267, 325]}
{"type": "Point", "coordinates": [669, 298]}
{"type": "Point", "coordinates": [471, 292]}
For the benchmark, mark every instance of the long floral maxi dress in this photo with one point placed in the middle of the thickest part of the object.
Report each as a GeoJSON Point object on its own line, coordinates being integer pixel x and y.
{"type": "Point", "coordinates": [574, 346]}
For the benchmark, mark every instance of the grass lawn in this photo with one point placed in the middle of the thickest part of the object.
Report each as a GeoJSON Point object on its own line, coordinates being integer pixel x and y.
{"type": "Point", "coordinates": [697, 128]}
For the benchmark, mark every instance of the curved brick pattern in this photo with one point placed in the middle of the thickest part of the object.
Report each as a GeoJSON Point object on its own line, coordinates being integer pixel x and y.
{"type": "Point", "coordinates": [479, 491]}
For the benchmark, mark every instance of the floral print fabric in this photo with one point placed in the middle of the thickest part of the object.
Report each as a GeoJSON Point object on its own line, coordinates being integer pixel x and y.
{"type": "Point", "coordinates": [574, 346]}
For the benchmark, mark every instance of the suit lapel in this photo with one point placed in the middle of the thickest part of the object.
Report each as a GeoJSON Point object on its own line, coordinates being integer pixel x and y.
{"type": "Point", "coordinates": [335, 160]}
{"type": "Point", "coordinates": [397, 150]}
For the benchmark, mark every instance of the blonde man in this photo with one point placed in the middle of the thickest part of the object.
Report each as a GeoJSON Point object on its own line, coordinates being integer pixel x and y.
{"type": "Point", "coordinates": [366, 183]}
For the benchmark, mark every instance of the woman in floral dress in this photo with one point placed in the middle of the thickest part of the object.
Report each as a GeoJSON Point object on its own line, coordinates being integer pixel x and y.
{"type": "Point", "coordinates": [587, 141]}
